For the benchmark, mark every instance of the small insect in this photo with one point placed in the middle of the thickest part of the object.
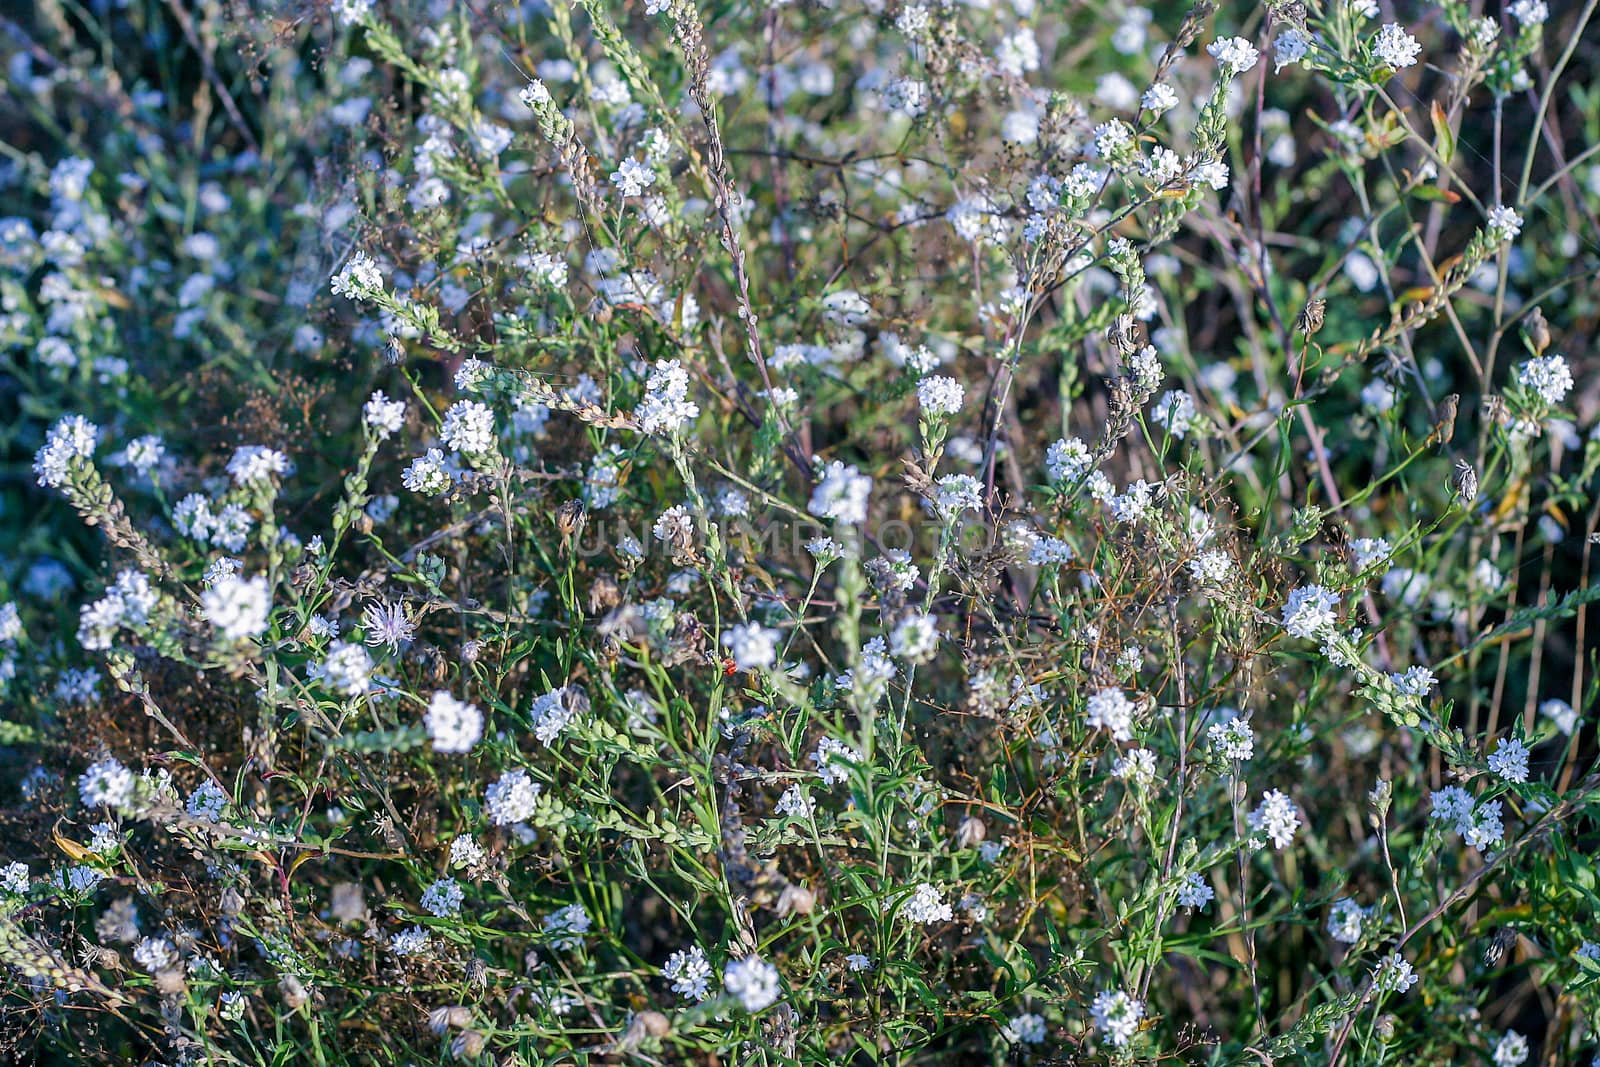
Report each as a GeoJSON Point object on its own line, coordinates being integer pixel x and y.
{"type": "Point", "coordinates": [729, 667]}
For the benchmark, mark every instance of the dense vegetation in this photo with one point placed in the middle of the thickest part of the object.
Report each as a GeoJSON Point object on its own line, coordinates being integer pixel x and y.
{"type": "Point", "coordinates": [815, 533]}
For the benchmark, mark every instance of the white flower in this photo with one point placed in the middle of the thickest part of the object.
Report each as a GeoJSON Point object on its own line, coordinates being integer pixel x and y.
{"type": "Point", "coordinates": [832, 758]}
{"type": "Point", "coordinates": [512, 798]}
{"type": "Point", "coordinates": [754, 647]}
{"type": "Point", "coordinates": [1511, 1050]}
{"type": "Point", "coordinates": [1194, 892]}
{"type": "Point", "coordinates": [1486, 828]}
{"type": "Point", "coordinates": [551, 713]}
{"type": "Point", "coordinates": [14, 878]}
{"type": "Point", "coordinates": [1510, 760]}
{"type": "Point", "coordinates": [237, 607]}
{"type": "Point", "coordinates": [666, 406]}
{"type": "Point", "coordinates": [1309, 611]}
{"type": "Point", "coordinates": [1234, 55]}
{"type": "Point", "coordinates": [346, 668]}
{"type": "Point", "coordinates": [410, 941]}
{"type": "Point", "coordinates": [632, 178]}
{"type": "Point", "coordinates": [1211, 567]}
{"type": "Point", "coordinates": [1345, 920]}
{"type": "Point", "coordinates": [673, 526]}
{"type": "Point", "coordinates": [856, 961]}
{"type": "Point", "coordinates": [1548, 376]}
{"type": "Point", "coordinates": [1530, 12]}
{"type": "Point", "coordinates": [155, 954]}
{"type": "Point", "coordinates": [465, 852]}
{"type": "Point", "coordinates": [841, 494]}
{"type": "Point", "coordinates": [689, 972]}
{"type": "Point", "coordinates": [956, 493]}
{"type": "Point", "coordinates": [358, 279]}
{"type": "Point", "coordinates": [535, 95]}
{"type": "Point", "coordinates": [1026, 1028]}
{"type": "Point", "coordinates": [1137, 765]}
{"type": "Point", "coordinates": [106, 784]}
{"type": "Point", "coordinates": [443, 898]}
{"type": "Point", "coordinates": [753, 981]}
{"type": "Point", "coordinates": [207, 802]}
{"type": "Point", "coordinates": [1111, 710]}
{"type": "Point", "coordinates": [1394, 47]}
{"type": "Point", "coordinates": [940, 395]}
{"type": "Point", "coordinates": [254, 463]}
{"type": "Point", "coordinates": [1066, 459]}
{"type": "Point", "coordinates": [350, 12]}
{"type": "Point", "coordinates": [1116, 1015]}
{"type": "Point", "coordinates": [1233, 739]}
{"type": "Point", "coordinates": [1414, 681]}
{"type": "Point", "coordinates": [1504, 223]}
{"type": "Point", "coordinates": [387, 624]}
{"type": "Point", "coordinates": [1560, 713]}
{"type": "Point", "coordinates": [468, 427]}
{"type": "Point", "coordinates": [927, 906]}
{"type": "Point", "coordinates": [426, 474]}
{"type": "Point", "coordinates": [72, 438]}
{"type": "Point", "coordinates": [383, 416]}
{"type": "Point", "coordinates": [1135, 504]}
{"type": "Point", "coordinates": [1176, 411]}
{"type": "Point", "coordinates": [1276, 817]}
{"type": "Point", "coordinates": [1289, 46]}
{"type": "Point", "coordinates": [1393, 974]}
{"type": "Point", "coordinates": [1159, 98]}
{"type": "Point", "coordinates": [453, 725]}
{"type": "Point", "coordinates": [915, 638]}
{"type": "Point", "coordinates": [794, 803]}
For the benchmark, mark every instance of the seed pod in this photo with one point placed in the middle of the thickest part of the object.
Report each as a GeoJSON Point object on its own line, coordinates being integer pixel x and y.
{"type": "Point", "coordinates": [1538, 330]}
{"type": "Point", "coordinates": [604, 594]}
{"type": "Point", "coordinates": [293, 991]}
{"type": "Point", "coordinates": [1466, 482]}
{"type": "Point", "coordinates": [796, 900]}
{"type": "Point", "coordinates": [645, 1024]}
{"type": "Point", "coordinates": [450, 1017]}
{"type": "Point", "coordinates": [569, 518]}
{"type": "Point", "coordinates": [468, 1045]}
{"type": "Point", "coordinates": [971, 832]}
{"type": "Point", "coordinates": [1495, 950]}
{"type": "Point", "coordinates": [1445, 428]}
{"type": "Point", "coordinates": [1312, 317]}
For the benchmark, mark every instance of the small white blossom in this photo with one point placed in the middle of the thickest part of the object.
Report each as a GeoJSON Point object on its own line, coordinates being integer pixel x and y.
{"type": "Point", "coordinates": [1116, 1015]}
{"type": "Point", "coordinates": [1112, 711]}
{"type": "Point", "coordinates": [1194, 892]}
{"type": "Point", "coordinates": [927, 906]}
{"type": "Point", "coordinates": [1510, 760]}
{"type": "Point", "coordinates": [690, 973]}
{"type": "Point", "coordinates": [753, 981]}
{"type": "Point", "coordinates": [1277, 817]}
{"type": "Point", "coordinates": [1394, 47]}
{"type": "Point", "coordinates": [512, 798]}
{"type": "Point", "coordinates": [1234, 55]}
{"type": "Point", "coordinates": [453, 725]}
{"type": "Point", "coordinates": [358, 279]}
{"type": "Point", "coordinates": [754, 647]}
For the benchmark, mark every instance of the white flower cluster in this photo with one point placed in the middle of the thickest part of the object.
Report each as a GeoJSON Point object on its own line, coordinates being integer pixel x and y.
{"type": "Point", "coordinates": [1481, 826]}
{"type": "Point", "coordinates": [666, 407]}
{"type": "Point", "coordinates": [1277, 817]}
{"type": "Point", "coordinates": [72, 438]}
{"type": "Point", "coordinates": [453, 725]}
